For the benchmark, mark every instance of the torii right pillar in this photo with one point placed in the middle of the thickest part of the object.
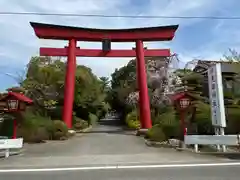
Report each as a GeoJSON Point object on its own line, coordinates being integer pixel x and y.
{"type": "Point", "coordinates": [144, 104]}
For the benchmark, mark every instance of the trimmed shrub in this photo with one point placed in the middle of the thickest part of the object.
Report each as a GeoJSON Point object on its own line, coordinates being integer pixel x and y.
{"type": "Point", "coordinates": [60, 130]}
{"type": "Point", "coordinates": [92, 118]}
{"type": "Point", "coordinates": [38, 135]}
{"type": "Point", "coordinates": [233, 120]}
{"type": "Point", "coordinates": [156, 134]}
{"type": "Point", "coordinates": [79, 123]}
{"type": "Point", "coordinates": [55, 113]}
{"type": "Point", "coordinates": [132, 120]}
{"type": "Point", "coordinates": [35, 128]}
{"type": "Point", "coordinates": [133, 124]}
{"type": "Point", "coordinates": [203, 118]}
{"type": "Point", "coordinates": [169, 124]}
{"type": "Point", "coordinates": [171, 130]}
{"type": "Point", "coordinates": [6, 126]}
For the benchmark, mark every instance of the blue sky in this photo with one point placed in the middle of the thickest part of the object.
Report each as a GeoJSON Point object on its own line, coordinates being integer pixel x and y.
{"type": "Point", "coordinates": [195, 38]}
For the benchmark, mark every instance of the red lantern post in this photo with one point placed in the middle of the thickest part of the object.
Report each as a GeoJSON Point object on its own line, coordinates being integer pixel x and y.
{"type": "Point", "coordinates": [13, 106]}
{"type": "Point", "coordinates": [184, 103]}
{"type": "Point", "coordinates": [15, 102]}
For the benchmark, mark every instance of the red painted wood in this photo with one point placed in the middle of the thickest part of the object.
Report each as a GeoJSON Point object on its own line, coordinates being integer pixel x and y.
{"type": "Point", "coordinates": [145, 113]}
{"type": "Point", "coordinates": [50, 31]}
{"type": "Point", "coordinates": [14, 129]}
{"type": "Point", "coordinates": [20, 97]}
{"type": "Point", "coordinates": [100, 53]}
{"type": "Point", "coordinates": [69, 84]}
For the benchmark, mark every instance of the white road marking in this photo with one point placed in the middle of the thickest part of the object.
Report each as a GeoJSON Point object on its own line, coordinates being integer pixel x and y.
{"type": "Point", "coordinates": [120, 167]}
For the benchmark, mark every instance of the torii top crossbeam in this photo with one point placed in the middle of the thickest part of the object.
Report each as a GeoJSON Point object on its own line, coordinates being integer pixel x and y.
{"type": "Point", "coordinates": [50, 31]}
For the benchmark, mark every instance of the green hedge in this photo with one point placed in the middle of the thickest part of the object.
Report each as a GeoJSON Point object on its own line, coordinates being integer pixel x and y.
{"type": "Point", "coordinates": [204, 123]}
{"type": "Point", "coordinates": [92, 118]}
{"type": "Point", "coordinates": [79, 123]}
{"type": "Point", "coordinates": [6, 127]}
{"type": "Point", "coordinates": [156, 133]}
{"type": "Point", "coordinates": [233, 120]}
{"type": "Point", "coordinates": [132, 120]}
{"type": "Point", "coordinates": [60, 130]}
{"type": "Point", "coordinates": [35, 128]}
{"type": "Point", "coordinates": [203, 118]}
{"type": "Point", "coordinates": [166, 126]}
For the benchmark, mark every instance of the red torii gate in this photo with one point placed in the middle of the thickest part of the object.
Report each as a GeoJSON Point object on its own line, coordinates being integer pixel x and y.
{"type": "Point", "coordinates": [74, 34]}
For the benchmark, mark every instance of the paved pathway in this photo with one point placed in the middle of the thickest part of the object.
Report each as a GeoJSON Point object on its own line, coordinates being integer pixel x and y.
{"type": "Point", "coordinates": [106, 144]}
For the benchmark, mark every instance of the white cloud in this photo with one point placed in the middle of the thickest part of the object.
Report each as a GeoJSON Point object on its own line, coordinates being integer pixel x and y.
{"type": "Point", "coordinates": [18, 42]}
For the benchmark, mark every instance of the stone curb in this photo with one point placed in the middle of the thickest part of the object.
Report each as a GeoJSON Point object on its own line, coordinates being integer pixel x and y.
{"type": "Point", "coordinates": [210, 153]}
{"type": "Point", "coordinates": [84, 130]}
{"type": "Point", "coordinates": [77, 133]}
{"type": "Point", "coordinates": [157, 144]}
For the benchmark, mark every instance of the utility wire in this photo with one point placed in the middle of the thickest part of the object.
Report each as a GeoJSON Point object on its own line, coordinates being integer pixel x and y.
{"type": "Point", "coordinates": [121, 16]}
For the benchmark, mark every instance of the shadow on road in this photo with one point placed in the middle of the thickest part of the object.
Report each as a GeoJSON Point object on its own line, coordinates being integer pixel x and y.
{"type": "Point", "coordinates": [111, 122]}
{"type": "Point", "coordinates": [232, 156]}
{"type": "Point", "coordinates": [111, 126]}
{"type": "Point", "coordinates": [121, 132]}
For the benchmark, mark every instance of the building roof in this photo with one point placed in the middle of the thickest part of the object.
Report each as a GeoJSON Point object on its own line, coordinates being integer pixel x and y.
{"type": "Point", "coordinates": [227, 66]}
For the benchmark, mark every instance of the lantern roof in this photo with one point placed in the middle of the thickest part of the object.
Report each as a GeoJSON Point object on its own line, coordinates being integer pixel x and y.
{"type": "Point", "coordinates": [18, 96]}
{"type": "Point", "coordinates": [181, 95]}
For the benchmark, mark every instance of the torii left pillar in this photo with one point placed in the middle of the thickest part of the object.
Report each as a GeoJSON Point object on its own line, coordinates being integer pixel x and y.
{"type": "Point", "coordinates": [69, 83]}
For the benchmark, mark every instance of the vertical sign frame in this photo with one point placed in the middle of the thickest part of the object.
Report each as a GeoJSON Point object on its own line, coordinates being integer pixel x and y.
{"type": "Point", "coordinates": [216, 95]}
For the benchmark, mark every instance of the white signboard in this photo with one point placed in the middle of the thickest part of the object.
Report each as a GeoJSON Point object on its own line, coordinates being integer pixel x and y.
{"type": "Point", "coordinates": [212, 139]}
{"type": "Point", "coordinates": [216, 95]}
{"type": "Point", "coordinates": [11, 143]}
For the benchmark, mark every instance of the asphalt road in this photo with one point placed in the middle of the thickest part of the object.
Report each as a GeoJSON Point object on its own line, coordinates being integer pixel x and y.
{"type": "Point", "coordinates": [105, 144]}
{"type": "Point", "coordinates": [176, 173]}
{"type": "Point", "coordinates": [109, 152]}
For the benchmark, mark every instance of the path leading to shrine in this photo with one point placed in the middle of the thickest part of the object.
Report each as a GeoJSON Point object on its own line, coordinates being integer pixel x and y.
{"type": "Point", "coordinates": [106, 144]}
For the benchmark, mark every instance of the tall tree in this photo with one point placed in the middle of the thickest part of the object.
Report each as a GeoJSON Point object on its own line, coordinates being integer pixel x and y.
{"type": "Point", "coordinates": [44, 83]}
{"type": "Point", "coordinates": [89, 96]}
{"type": "Point", "coordinates": [232, 56]}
